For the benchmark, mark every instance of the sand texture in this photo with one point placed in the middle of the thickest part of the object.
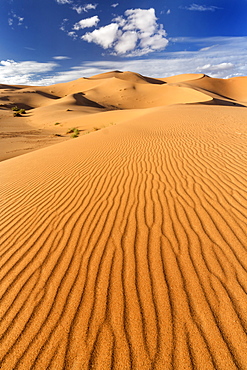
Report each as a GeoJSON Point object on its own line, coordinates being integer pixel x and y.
{"type": "Point", "coordinates": [127, 248]}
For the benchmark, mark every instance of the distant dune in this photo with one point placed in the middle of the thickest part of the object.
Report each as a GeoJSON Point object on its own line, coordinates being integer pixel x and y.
{"type": "Point", "coordinates": [126, 247]}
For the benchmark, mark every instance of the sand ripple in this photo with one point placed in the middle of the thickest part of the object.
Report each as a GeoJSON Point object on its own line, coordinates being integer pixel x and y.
{"type": "Point", "coordinates": [127, 248]}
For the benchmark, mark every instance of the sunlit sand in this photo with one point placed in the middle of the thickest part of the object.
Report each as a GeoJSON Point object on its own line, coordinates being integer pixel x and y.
{"type": "Point", "coordinates": [125, 247]}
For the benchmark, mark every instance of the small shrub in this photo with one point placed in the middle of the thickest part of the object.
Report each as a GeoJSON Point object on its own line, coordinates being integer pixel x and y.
{"type": "Point", "coordinates": [70, 130]}
{"type": "Point", "coordinates": [74, 131]}
{"type": "Point", "coordinates": [96, 128]}
{"type": "Point", "coordinates": [17, 111]}
{"type": "Point", "coordinates": [57, 123]}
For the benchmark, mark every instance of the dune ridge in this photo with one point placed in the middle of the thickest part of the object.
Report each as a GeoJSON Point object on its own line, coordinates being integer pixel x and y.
{"type": "Point", "coordinates": [126, 248]}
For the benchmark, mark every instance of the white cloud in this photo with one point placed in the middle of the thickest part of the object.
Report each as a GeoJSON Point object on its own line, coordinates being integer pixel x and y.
{"type": "Point", "coordinates": [201, 8]}
{"type": "Point", "coordinates": [156, 41]}
{"type": "Point", "coordinates": [28, 72]}
{"type": "Point", "coordinates": [104, 36]}
{"type": "Point", "coordinates": [207, 48]}
{"type": "Point", "coordinates": [87, 22]}
{"type": "Point", "coordinates": [141, 19]}
{"type": "Point", "coordinates": [168, 11]}
{"type": "Point", "coordinates": [120, 21]}
{"type": "Point", "coordinates": [63, 25]}
{"type": "Point", "coordinates": [15, 20]}
{"type": "Point", "coordinates": [61, 57]}
{"type": "Point", "coordinates": [115, 5]}
{"type": "Point", "coordinates": [135, 33]}
{"type": "Point", "coordinates": [217, 69]}
{"type": "Point", "coordinates": [127, 42]}
{"type": "Point", "coordinates": [80, 9]}
{"type": "Point", "coordinates": [20, 19]}
{"type": "Point", "coordinates": [216, 61]}
{"type": "Point", "coordinates": [63, 1]}
{"type": "Point", "coordinates": [227, 58]}
{"type": "Point", "coordinates": [72, 34]}
{"type": "Point", "coordinates": [64, 28]}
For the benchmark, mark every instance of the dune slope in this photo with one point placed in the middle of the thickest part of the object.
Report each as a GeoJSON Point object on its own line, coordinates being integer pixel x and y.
{"type": "Point", "coordinates": [233, 88]}
{"type": "Point", "coordinates": [51, 111]}
{"type": "Point", "coordinates": [126, 248]}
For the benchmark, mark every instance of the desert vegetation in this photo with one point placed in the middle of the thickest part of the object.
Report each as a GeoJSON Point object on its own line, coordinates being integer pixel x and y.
{"type": "Point", "coordinates": [17, 112]}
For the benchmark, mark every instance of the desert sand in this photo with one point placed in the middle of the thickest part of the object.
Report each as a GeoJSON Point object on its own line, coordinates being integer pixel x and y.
{"type": "Point", "coordinates": [126, 247]}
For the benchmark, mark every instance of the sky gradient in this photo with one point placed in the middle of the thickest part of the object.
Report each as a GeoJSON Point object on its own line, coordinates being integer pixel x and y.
{"type": "Point", "coordinates": [52, 41]}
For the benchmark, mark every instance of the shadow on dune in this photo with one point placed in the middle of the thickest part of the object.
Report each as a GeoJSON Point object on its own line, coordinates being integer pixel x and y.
{"type": "Point", "coordinates": [10, 87]}
{"type": "Point", "coordinates": [226, 103]}
{"type": "Point", "coordinates": [213, 93]}
{"type": "Point", "coordinates": [19, 105]}
{"type": "Point", "coordinates": [21, 96]}
{"type": "Point", "coordinates": [154, 81]}
{"type": "Point", "coordinates": [82, 100]}
{"type": "Point", "coordinates": [46, 95]}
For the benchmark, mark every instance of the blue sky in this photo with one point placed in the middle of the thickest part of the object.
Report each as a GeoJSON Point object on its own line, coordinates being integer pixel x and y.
{"type": "Point", "coordinates": [50, 41]}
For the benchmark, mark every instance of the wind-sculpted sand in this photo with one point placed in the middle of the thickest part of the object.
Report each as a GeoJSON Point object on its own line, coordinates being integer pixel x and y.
{"type": "Point", "coordinates": [127, 248]}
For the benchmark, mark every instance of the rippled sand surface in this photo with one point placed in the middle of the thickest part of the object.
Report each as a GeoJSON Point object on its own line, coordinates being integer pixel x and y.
{"type": "Point", "coordinates": [127, 248]}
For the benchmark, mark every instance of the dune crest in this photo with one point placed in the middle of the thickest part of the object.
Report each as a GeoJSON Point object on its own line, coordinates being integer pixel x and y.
{"type": "Point", "coordinates": [126, 248]}
{"type": "Point", "coordinates": [233, 88]}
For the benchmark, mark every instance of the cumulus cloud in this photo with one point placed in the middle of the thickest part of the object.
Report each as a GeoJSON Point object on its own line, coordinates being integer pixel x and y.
{"type": "Point", "coordinates": [201, 8]}
{"type": "Point", "coordinates": [140, 19]}
{"type": "Point", "coordinates": [135, 33]}
{"type": "Point", "coordinates": [87, 22]}
{"type": "Point", "coordinates": [80, 9]}
{"type": "Point", "coordinates": [28, 72]}
{"type": "Point", "coordinates": [104, 36]}
{"type": "Point", "coordinates": [214, 61]}
{"type": "Point", "coordinates": [126, 42]}
{"type": "Point", "coordinates": [115, 5]}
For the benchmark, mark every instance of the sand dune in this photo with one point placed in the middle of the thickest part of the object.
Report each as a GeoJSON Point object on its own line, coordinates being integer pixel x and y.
{"type": "Point", "coordinates": [233, 88]}
{"type": "Point", "coordinates": [183, 77]}
{"type": "Point", "coordinates": [126, 248]}
{"type": "Point", "coordinates": [52, 110]}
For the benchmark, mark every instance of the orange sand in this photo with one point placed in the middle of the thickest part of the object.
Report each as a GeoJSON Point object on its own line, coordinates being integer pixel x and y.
{"type": "Point", "coordinates": [126, 248]}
